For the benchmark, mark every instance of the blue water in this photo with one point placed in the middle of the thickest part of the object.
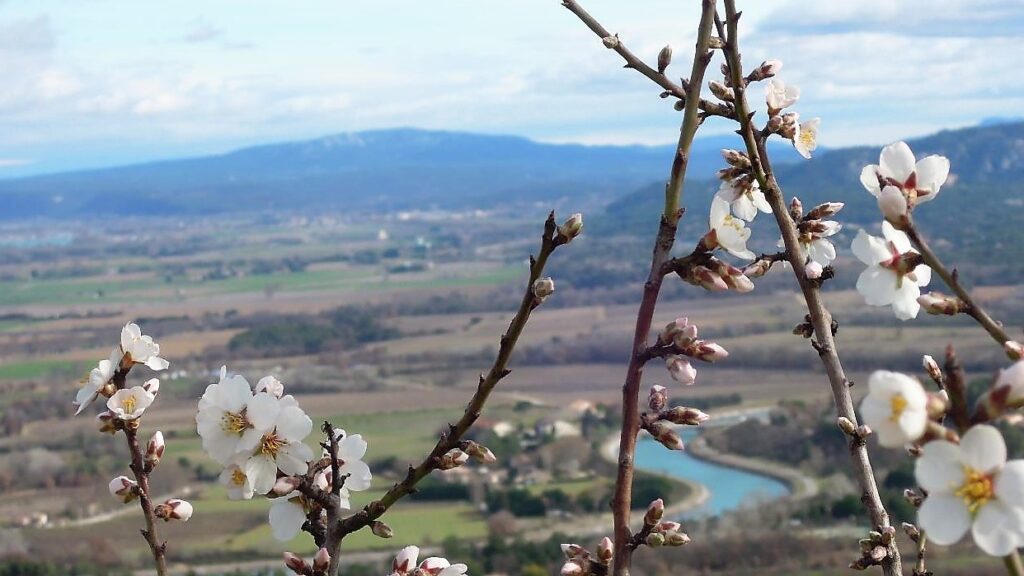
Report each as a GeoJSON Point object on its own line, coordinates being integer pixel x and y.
{"type": "Point", "coordinates": [729, 488]}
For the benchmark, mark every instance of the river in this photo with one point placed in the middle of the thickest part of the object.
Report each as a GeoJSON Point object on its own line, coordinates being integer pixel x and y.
{"type": "Point", "coordinates": [729, 488]}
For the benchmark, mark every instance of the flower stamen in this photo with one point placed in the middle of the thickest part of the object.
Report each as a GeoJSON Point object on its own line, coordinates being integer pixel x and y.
{"type": "Point", "coordinates": [977, 490]}
{"type": "Point", "coordinates": [233, 423]}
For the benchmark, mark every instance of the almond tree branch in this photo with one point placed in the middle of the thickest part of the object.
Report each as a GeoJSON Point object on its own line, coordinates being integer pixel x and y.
{"type": "Point", "coordinates": [138, 467]}
{"type": "Point", "coordinates": [821, 319]}
{"type": "Point", "coordinates": [663, 243]}
{"type": "Point", "coordinates": [951, 279]}
{"type": "Point", "coordinates": [450, 439]}
{"type": "Point", "coordinates": [632, 61]}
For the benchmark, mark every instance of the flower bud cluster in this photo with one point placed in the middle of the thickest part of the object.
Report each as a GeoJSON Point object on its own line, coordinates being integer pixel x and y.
{"type": "Point", "coordinates": [875, 548]}
{"type": "Point", "coordinates": [937, 304]}
{"type": "Point", "coordinates": [659, 532]}
{"type": "Point", "coordinates": [580, 562]}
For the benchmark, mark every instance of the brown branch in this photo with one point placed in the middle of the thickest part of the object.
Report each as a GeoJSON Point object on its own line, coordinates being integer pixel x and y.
{"type": "Point", "coordinates": [821, 319]}
{"type": "Point", "coordinates": [952, 279]}
{"type": "Point", "coordinates": [450, 439]}
{"type": "Point", "coordinates": [613, 42]}
{"type": "Point", "coordinates": [334, 501]}
{"type": "Point", "coordinates": [138, 466]}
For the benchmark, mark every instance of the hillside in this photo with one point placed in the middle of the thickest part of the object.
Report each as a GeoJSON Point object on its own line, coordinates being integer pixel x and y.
{"type": "Point", "coordinates": [378, 170]}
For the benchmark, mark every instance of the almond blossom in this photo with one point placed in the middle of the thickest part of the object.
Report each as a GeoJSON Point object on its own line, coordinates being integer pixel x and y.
{"type": "Point", "coordinates": [895, 408]}
{"type": "Point", "coordinates": [236, 482]}
{"type": "Point", "coordinates": [893, 276]}
{"type": "Point", "coordinates": [223, 419]}
{"type": "Point", "coordinates": [404, 564]}
{"type": "Point", "coordinates": [98, 378]}
{"type": "Point", "coordinates": [779, 96]}
{"type": "Point", "coordinates": [129, 404]}
{"type": "Point", "coordinates": [288, 513]}
{"type": "Point", "coordinates": [173, 509]}
{"type": "Point", "coordinates": [972, 487]}
{"type": "Point", "coordinates": [727, 232]}
{"type": "Point", "coordinates": [806, 138]}
{"type": "Point", "coordinates": [284, 425]}
{"type": "Point", "coordinates": [745, 197]}
{"type": "Point", "coordinates": [351, 450]}
{"type": "Point", "coordinates": [141, 349]}
{"type": "Point", "coordinates": [918, 180]}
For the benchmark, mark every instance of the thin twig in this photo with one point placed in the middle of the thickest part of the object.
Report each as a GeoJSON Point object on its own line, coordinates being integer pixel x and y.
{"type": "Point", "coordinates": [613, 42]}
{"type": "Point", "coordinates": [138, 467]}
{"type": "Point", "coordinates": [951, 279]}
{"type": "Point", "coordinates": [334, 501]}
{"type": "Point", "coordinates": [451, 438]}
{"type": "Point", "coordinates": [821, 319]}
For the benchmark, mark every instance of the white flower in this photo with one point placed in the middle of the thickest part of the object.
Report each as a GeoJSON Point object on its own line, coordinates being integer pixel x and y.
{"type": "Point", "coordinates": [806, 139]}
{"type": "Point", "coordinates": [222, 420]}
{"type": "Point", "coordinates": [895, 408]}
{"type": "Point", "coordinates": [141, 349]}
{"type": "Point", "coordinates": [919, 181]}
{"type": "Point", "coordinates": [745, 200]}
{"type": "Point", "coordinates": [893, 204]}
{"type": "Point", "coordinates": [236, 482]}
{"type": "Point", "coordinates": [728, 232]}
{"type": "Point", "coordinates": [287, 514]}
{"type": "Point", "coordinates": [1010, 384]}
{"type": "Point", "coordinates": [350, 460]}
{"type": "Point", "coordinates": [98, 378]}
{"type": "Point", "coordinates": [271, 386]}
{"type": "Point", "coordinates": [435, 566]}
{"type": "Point", "coordinates": [129, 403]}
{"type": "Point", "coordinates": [972, 486]}
{"type": "Point", "coordinates": [284, 425]}
{"type": "Point", "coordinates": [779, 96]}
{"type": "Point", "coordinates": [405, 561]}
{"type": "Point", "coordinates": [888, 279]}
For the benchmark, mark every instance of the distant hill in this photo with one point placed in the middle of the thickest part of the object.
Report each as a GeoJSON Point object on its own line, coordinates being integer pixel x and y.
{"type": "Point", "coordinates": [978, 212]}
{"type": "Point", "coordinates": [374, 170]}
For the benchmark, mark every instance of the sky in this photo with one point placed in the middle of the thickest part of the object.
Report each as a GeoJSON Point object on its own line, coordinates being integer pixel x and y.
{"type": "Point", "coordinates": [89, 83]}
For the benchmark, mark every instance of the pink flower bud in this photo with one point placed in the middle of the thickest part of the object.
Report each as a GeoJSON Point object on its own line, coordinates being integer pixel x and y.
{"type": "Point", "coordinates": [571, 569]}
{"type": "Point", "coordinates": [152, 386]}
{"type": "Point", "coordinates": [664, 434]}
{"type": "Point", "coordinates": [757, 268]}
{"type": "Point", "coordinates": [813, 270]}
{"type": "Point", "coordinates": [658, 398]}
{"type": "Point", "coordinates": [453, 459]}
{"type": "Point", "coordinates": [939, 304]}
{"type": "Point", "coordinates": [736, 158]}
{"type": "Point", "coordinates": [710, 352]}
{"type": "Point", "coordinates": [543, 288]}
{"type": "Point", "coordinates": [571, 228]}
{"type": "Point", "coordinates": [295, 563]}
{"type": "Point", "coordinates": [664, 59]}
{"type": "Point", "coordinates": [173, 509]}
{"type": "Point", "coordinates": [605, 550]}
{"type": "Point", "coordinates": [684, 416]}
{"type": "Point", "coordinates": [707, 279]}
{"type": "Point", "coordinates": [285, 485]}
{"type": "Point", "coordinates": [668, 526]}
{"type": "Point", "coordinates": [479, 452]}
{"type": "Point", "coordinates": [676, 538]}
{"type": "Point", "coordinates": [381, 529]}
{"type": "Point", "coordinates": [1014, 349]}
{"type": "Point", "coordinates": [124, 488]}
{"type": "Point", "coordinates": [825, 210]}
{"type": "Point", "coordinates": [270, 385]}
{"type": "Point", "coordinates": [767, 69]}
{"type": "Point", "coordinates": [681, 370]}
{"type": "Point", "coordinates": [655, 539]}
{"type": "Point", "coordinates": [732, 276]}
{"type": "Point", "coordinates": [893, 205]}
{"type": "Point", "coordinates": [405, 560]}
{"type": "Point", "coordinates": [322, 560]}
{"type": "Point", "coordinates": [931, 367]}
{"type": "Point", "coordinates": [655, 510]}
{"type": "Point", "coordinates": [106, 422]}
{"type": "Point", "coordinates": [721, 91]}
{"type": "Point", "coordinates": [155, 448]}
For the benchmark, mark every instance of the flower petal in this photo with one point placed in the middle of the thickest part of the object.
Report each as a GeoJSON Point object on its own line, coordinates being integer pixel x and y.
{"type": "Point", "coordinates": [877, 285]}
{"type": "Point", "coordinates": [997, 528]}
{"type": "Point", "coordinates": [983, 448]}
{"type": "Point", "coordinates": [944, 518]}
{"type": "Point", "coordinates": [940, 468]}
{"type": "Point", "coordinates": [932, 172]}
{"type": "Point", "coordinates": [1010, 483]}
{"type": "Point", "coordinates": [360, 476]}
{"type": "Point", "coordinates": [869, 178]}
{"type": "Point", "coordinates": [897, 162]}
{"type": "Point", "coordinates": [292, 424]}
{"type": "Point", "coordinates": [870, 249]}
{"type": "Point", "coordinates": [262, 411]}
{"type": "Point", "coordinates": [286, 519]}
{"type": "Point", "coordinates": [352, 448]}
